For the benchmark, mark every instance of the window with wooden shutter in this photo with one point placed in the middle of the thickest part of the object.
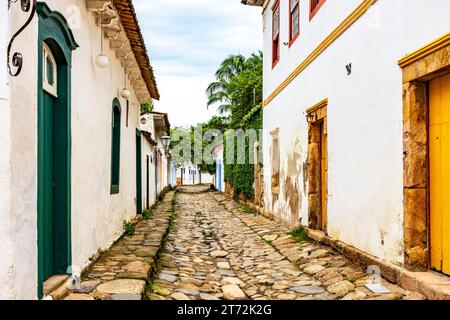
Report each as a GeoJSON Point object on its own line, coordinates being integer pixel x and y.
{"type": "Point", "coordinates": [294, 20]}
{"type": "Point", "coordinates": [314, 7]}
{"type": "Point", "coordinates": [275, 33]}
{"type": "Point", "coordinates": [115, 147]}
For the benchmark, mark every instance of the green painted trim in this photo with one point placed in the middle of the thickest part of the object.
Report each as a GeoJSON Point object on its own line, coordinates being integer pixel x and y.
{"type": "Point", "coordinates": [53, 30]}
{"type": "Point", "coordinates": [116, 103]}
{"type": "Point", "coordinates": [46, 13]}
{"type": "Point", "coordinates": [138, 171]}
{"type": "Point", "coordinates": [115, 147]}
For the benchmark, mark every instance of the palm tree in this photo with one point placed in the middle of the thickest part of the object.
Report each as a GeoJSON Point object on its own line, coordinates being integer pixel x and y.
{"type": "Point", "coordinates": [230, 67]}
{"type": "Point", "coordinates": [217, 91]}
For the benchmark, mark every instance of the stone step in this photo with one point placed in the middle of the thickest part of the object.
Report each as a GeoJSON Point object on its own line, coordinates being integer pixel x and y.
{"type": "Point", "coordinates": [56, 287]}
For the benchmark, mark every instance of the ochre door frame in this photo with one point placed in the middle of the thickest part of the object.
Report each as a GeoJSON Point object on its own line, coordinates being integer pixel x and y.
{"type": "Point", "coordinates": [317, 168]}
{"type": "Point", "coordinates": [419, 67]}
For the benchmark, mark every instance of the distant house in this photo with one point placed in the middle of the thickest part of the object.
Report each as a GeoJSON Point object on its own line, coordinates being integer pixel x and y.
{"type": "Point", "coordinates": [356, 99]}
{"type": "Point", "coordinates": [190, 174]}
{"type": "Point", "coordinates": [219, 177]}
{"type": "Point", "coordinates": [158, 171]}
{"type": "Point", "coordinates": [70, 100]}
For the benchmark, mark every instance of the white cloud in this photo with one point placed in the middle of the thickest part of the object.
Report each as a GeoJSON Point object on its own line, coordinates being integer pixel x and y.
{"type": "Point", "coordinates": [187, 40]}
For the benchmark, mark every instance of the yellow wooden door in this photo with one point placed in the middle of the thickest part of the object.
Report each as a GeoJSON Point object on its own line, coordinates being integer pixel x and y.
{"type": "Point", "coordinates": [323, 175]}
{"type": "Point", "coordinates": [440, 174]}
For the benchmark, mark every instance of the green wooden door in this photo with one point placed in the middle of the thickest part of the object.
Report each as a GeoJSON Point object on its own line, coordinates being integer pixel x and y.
{"type": "Point", "coordinates": [147, 184]}
{"type": "Point", "coordinates": [138, 173]}
{"type": "Point", "coordinates": [48, 177]}
{"type": "Point", "coordinates": [55, 45]}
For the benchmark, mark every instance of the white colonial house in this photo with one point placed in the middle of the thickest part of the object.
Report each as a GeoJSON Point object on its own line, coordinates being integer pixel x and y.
{"type": "Point", "coordinates": [219, 177]}
{"type": "Point", "coordinates": [190, 174]}
{"type": "Point", "coordinates": [76, 75]}
{"type": "Point", "coordinates": [157, 172]}
{"type": "Point", "coordinates": [356, 113]}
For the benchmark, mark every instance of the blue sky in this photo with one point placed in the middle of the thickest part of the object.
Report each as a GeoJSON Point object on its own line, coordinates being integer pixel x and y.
{"type": "Point", "coordinates": [187, 40]}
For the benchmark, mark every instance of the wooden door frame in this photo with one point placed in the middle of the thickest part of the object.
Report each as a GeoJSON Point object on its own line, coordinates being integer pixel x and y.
{"type": "Point", "coordinates": [55, 32]}
{"type": "Point", "coordinates": [418, 68]}
{"type": "Point", "coordinates": [316, 116]}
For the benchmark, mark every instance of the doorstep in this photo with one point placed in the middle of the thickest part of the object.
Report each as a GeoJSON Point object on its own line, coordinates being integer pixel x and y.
{"type": "Point", "coordinates": [432, 285]}
{"type": "Point", "coordinates": [56, 287]}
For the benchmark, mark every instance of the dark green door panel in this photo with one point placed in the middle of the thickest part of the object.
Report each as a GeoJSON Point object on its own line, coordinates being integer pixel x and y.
{"type": "Point", "coordinates": [115, 147]}
{"type": "Point", "coordinates": [48, 176]}
{"type": "Point", "coordinates": [138, 173]}
{"type": "Point", "coordinates": [147, 183]}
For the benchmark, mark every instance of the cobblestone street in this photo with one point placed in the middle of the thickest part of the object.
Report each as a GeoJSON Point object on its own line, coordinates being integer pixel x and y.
{"type": "Point", "coordinates": [218, 249]}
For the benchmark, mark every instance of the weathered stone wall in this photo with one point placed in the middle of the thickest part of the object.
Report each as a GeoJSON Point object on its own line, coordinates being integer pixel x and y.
{"type": "Point", "coordinates": [415, 144]}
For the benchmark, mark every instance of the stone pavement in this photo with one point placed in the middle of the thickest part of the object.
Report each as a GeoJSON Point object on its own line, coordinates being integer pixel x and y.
{"type": "Point", "coordinates": [217, 250]}
{"type": "Point", "coordinates": [121, 273]}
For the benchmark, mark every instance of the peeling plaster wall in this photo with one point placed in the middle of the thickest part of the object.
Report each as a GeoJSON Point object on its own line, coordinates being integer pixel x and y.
{"type": "Point", "coordinates": [97, 215]}
{"type": "Point", "coordinates": [6, 226]}
{"type": "Point", "coordinates": [365, 177]}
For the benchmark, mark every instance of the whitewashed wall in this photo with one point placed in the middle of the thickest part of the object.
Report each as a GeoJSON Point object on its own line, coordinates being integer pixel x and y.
{"type": "Point", "coordinates": [173, 174]}
{"type": "Point", "coordinates": [163, 179]}
{"type": "Point", "coordinates": [6, 226]}
{"type": "Point", "coordinates": [97, 216]}
{"type": "Point", "coordinates": [149, 150]}
{"type": "Point", "coordinates": [23, 162]}
{"type": "Point", "coordinates": [364, 114]}
{"type": "Point", "coordinates": [207, 178]}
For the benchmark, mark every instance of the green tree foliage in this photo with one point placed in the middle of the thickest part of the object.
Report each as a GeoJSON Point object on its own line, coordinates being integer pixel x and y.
{"type": "Point", "coordinates": [190, 135]}
{"type": "Point", "coordinates": [147, 107]}
{"type": "Point", "coordinates": [246, 89]}
{"type": "Point", "coordinates": [238, 85]}
{"type": "Point", "coordinates": [241, 176]}
{"type": "Point", "coordinates": [238, 90]}
{"type": "Point", "coordinates": [218, 91]}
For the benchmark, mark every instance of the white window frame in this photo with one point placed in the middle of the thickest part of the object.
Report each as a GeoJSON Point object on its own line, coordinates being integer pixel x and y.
{"type": "Point", "coordinates": [51, 89]}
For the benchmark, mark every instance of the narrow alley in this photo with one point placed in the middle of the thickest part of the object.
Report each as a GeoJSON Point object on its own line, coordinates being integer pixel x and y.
{"type": "Point", "coordinates": [217, 249]}
{"type": "Point", "coordinates": [243, 150]}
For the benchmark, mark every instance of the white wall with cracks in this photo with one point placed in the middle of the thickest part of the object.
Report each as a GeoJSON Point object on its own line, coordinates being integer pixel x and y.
{"type": "Point", "coordinates": [365, 142]}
